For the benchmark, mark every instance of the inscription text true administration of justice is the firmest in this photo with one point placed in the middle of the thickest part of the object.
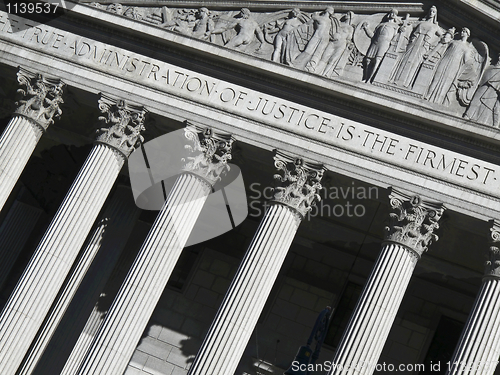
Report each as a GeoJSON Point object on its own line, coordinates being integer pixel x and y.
{"type": "Point", "coordinates": [319, 125]}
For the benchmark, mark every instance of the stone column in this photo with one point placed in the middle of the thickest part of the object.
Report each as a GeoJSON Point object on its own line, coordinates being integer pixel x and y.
{"type": "Point", "coordinates": [92, 270]}
{"type": "Point", "coordinates": [38, 287]}
{"type": "Point", "coordinates": [132, 308]}
{"type": "Point", "coordinates": [14, 232]}
{"type": "Point", "coordinates": [478, 349]}
{"type": "Point", "coordinates": [410, 232]}
{"type": "Point", "coordinates": [95, 318]}
{"type": "Point", "coordinates": [237, 317]}
{"type": "Point", "coordinates": [31, 119]}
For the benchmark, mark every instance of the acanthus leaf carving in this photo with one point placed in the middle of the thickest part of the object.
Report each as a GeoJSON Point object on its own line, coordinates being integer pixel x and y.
{"type": "Point", "coordinates": [413, 221]}
{"type": "Point", "coordinates": [299, 184]}
{"type": "Point", "coordinates": [42, 97]}
{"type": "Point", "coordinates": [492, 265]}
{"type": "Point", "coordinates": [125, 122]}
{"type": "Point", "coordinates": [211, 150]}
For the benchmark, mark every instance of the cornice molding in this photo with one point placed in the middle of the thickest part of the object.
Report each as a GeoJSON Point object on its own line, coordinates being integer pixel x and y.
{"type": "Point", "coordinates": [342, 92]}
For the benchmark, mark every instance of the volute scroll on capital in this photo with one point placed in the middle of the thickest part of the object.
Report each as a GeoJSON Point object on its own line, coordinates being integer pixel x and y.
{"type": "Point", "coordinates": [211, 153]}
{"type": "Point", "coordinates": [41, 98]}
{"type": "Point", "coordinates": [492, 265]}
{"type": "Point", "coordinates": [124, 121]}
{"type": "Point", "coordinates": [413, 221]}
{"type": "Point", "coordinates": [299, 184]}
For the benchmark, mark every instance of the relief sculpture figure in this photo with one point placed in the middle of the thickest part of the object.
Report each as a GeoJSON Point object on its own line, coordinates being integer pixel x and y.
{"type": "Point", "coordinates": [437, 52]}
{"type": "Point", "coordinates": [485, 105]}
{"type": "Point", "coordinates": [415, 58]}
{"type": "Point", "coordinates": [431, 59]}
{"type": "Point", "coordinates": [282, 40]}
{"type": "Point", "coordinates": [201, 28]}
{"type": "Point", "coordinates": [325, 24]}
{"type": "Point", "coordinates": [340, 44]}
{"type": "Point", "coordinates": [424, 36]}
{"type": "Point", "coordinates": [246, 27]}
{"type": "Point", "coordinates": [203, 24]}
{"type": "Point", "coordinates": [381, 39]}
{"type": "Point", "coordinates": [458, 71]}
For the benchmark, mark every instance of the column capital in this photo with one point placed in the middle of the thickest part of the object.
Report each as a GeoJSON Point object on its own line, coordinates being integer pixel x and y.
{"type": "Point", "coordinates": [41, 98]}
{"type": "Point", "coordinates": [125, 123]}
{"type": "Point", "coordinates": [492, 265]}
{"type": "Point", "coordinates": [211, 152]}
{"type": "Point", "coordinates": [300, 183]}
{"type": "Point", "coordinates": [413, 221]}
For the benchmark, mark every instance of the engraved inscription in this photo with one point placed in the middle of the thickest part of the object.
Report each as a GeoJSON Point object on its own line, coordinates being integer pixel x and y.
{"type": "Point", "coordinates": [269, 110]}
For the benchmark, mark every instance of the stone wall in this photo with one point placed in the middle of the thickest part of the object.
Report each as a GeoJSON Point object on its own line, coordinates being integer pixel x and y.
{"type": "Point", "coordinates": [309, 281]}
{"type": "Point", "coordinates": [181, 319]}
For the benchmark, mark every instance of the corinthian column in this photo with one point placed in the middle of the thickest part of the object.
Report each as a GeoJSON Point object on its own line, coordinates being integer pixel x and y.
{"type": "Point", "coordinates": [410, 232]}
{"type": "Point", "coordinates": [91, 271]}
{"type": "Point", "coordinates": [38, 287]}
{"type": "Point", "coordinates": [478, 349]}
{"type": "Point", "coordinates": [35, 112]}
{"type": "Point", "coordinates": [235, 321]}
{"type": "Point", "coordinates": [132, 308]}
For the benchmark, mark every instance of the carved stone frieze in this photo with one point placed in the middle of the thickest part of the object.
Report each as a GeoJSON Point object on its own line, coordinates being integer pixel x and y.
{"type": "Point", "coordinates": [492, 265]}
{"type": "Point", "coordinates": [299, 184]}
{"type": "Point", "coordinates": [41, 98]}
{"type": "Point", "coordinates": [211, 150]}
{"type": "Point", "coordinates": [380, 42]}
{"type": "Point", "coordinates": [415, 56]}
{"type": "Point", "coordinates": [124, 121]}
{"type": "Point", "coordinates": [485, 105]}
{"type": "Point", "coordinates": [413, 221]}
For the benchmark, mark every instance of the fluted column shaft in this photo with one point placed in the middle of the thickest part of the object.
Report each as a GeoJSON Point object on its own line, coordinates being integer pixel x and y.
{"type": "Point", "coordinates": [92, 324]}
{"type": "Point", "coordinates": [38, 287]}
{"type": "Point", "coordinates": [14, 233]}
{"type": "Point", "coordinates": [237, 317]}
{"type": "Point", "coordinates": [230, 332]}
{"type": "Point", "coordinates": [370, 323]}
{"type": "Point", "coordinates": [35, 113]}
{"type": "Point", "coordinates": [109, 235]}
{"type": "Point", "coordinates": [132, 308]}
{"type": "Point", "coordinates": [51, 262]}
{"type": "Point", "coordinates": [17, 143]}
{"type": "Point", "coordinates": [408, 235]}
{"type": "Point", "coordinates": [478, 349]}
{"type": "Point", "coordinates": [134, 304]}
{"type": "Point", "coordinates": [84, 341]}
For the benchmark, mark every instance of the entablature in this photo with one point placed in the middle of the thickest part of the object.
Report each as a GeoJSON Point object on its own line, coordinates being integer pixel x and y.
{"type": "Point", "coordinates": [450, 111]}
{"type": "Point", "coordinates": [363, 130]}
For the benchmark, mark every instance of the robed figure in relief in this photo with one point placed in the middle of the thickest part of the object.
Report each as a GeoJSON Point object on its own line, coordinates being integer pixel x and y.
{"type": "Point", "coordinates": [340, 44]}
{"type": "Point", "coordinates": [459, 71]}
{"type": "Point", "coordinates": [485, 105]}
{"type": "Point", "coordinates": [325, 24]}
{"type": "Point", "coordinates": [424, 36]}
{"type": "Point", "coordinates": [381, 39]}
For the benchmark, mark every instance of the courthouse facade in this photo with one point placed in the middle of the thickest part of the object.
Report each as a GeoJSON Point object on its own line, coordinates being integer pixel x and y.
{"type": "Point", "coordinates": [367, 135]}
